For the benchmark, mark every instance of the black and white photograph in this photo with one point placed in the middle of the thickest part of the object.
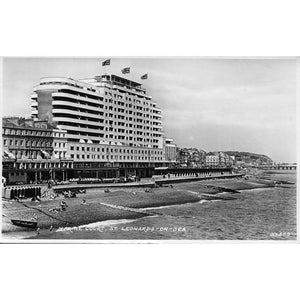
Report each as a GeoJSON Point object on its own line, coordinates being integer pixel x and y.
{"type": "Point", "coordinates": [149, 149]}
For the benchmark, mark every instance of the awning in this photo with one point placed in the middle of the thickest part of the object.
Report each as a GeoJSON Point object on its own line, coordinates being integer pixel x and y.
{"type": "Point", "coordinates": [45, 154]}
{"type": "Point", "coordinates": [9, 154]}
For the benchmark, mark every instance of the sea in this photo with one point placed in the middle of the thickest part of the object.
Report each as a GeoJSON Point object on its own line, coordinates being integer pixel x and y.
{"type": "Point", "coordinates": [256, 214]}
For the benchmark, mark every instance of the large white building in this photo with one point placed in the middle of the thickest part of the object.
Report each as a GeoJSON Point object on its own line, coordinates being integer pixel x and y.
{"type": "Point", "coordinates": [108, 119]}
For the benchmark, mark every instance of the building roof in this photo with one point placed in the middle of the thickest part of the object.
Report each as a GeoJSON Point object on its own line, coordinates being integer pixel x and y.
{"type": "Point", "coordinates": [19, 122]}
{"type": "Point", "coordinates": [115, 79]}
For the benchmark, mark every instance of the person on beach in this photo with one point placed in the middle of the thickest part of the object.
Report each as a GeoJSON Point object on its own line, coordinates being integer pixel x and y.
{"type": "Point", "coordinates": [38, 230]}
{"type": "Point", "coordinates": [83, 202]}
{"type": "Point", "coordinates": [63, 205]}
{"type": "Point", "coordinates": [51, 228]}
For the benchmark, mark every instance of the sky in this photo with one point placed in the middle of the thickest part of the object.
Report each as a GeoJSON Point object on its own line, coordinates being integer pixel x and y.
{"type": "Point", "coordinates": [214, 104]}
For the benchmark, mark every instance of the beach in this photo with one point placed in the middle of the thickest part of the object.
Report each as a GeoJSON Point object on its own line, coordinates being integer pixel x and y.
{"type": "Point", "coordinates": [121, 204]}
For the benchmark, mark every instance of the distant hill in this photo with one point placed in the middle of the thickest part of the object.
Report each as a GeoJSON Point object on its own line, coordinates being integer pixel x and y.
{"type": "Point", "coordinates": [250, 157]}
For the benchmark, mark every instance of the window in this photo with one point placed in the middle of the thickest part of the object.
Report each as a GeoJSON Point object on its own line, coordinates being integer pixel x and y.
{"type": "Point", "coordinates": [5, 142]}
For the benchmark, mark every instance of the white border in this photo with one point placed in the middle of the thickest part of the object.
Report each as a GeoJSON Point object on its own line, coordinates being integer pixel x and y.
{"type": "Point", "coordinates": [219, 271]}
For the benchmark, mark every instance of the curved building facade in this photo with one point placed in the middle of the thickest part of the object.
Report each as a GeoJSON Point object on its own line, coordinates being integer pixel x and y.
{"type": "Point", "coordinates": [107, 119]}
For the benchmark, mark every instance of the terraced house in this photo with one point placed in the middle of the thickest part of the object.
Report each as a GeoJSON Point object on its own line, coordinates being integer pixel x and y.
{"type": "Point", "coordinates": [32, 148]}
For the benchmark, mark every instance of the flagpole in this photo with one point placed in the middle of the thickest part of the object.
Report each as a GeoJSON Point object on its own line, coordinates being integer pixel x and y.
{"type": "Point", "coordinates": [104, 64]}
{"type": "Point", "coordinates": [105, 72]}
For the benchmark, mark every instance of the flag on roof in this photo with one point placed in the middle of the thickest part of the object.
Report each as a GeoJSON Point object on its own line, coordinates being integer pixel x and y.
{"type": "Point", "coordinates": [125, 70]}
{"type": "Point", "coordinates": [106, 62]}
{"type": "Point", "coordinates": [145, 76]}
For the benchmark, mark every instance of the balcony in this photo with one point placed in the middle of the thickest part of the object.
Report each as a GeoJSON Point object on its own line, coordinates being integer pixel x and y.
{"type": "Point", "coordinates": [77, 113]}
{"type": "Point", "coordinates": [59, 86]}
{"type": "Point", "coordinates": [77, 97]}
{"type": "Point", "coordinates": [79, 121]}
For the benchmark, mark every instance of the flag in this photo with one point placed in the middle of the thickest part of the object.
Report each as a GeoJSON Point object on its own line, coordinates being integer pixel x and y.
{"type": "Point", "coordinates": [125, 70]}
{"type": "Point", "coordinates": [106, 62]}
{"type": "Point", "coordinates": [145, 76]}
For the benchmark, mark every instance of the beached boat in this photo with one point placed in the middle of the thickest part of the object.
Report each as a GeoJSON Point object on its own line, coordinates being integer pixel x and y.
{"type": "Point", "coordinates": [23, 223]}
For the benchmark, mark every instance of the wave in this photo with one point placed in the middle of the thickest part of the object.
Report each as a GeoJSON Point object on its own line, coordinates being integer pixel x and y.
{"type": "Point", "coordinates": [259, 189]}
{"type": "Point", "coordinates": [212, 200]}
{"type": "Point", "coordinates": [163, 206]}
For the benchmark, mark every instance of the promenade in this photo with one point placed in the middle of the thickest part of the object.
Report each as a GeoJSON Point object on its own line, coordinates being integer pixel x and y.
{"type": "Point", "coordinates": [145, 182]}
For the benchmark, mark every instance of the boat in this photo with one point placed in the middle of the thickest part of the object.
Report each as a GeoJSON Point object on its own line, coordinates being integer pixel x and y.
{"type": "Point", "coordinates": [23, 223]}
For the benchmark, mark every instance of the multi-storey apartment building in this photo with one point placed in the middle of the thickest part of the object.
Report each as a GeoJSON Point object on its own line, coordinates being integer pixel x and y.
{"type": "Point", "coordinates": [170, 150]}
{"type": "Point", "coordinates": [212, 159]}
{"type": "Point", "coordinates": [191, 157]}
{"type": "Point", "coordinates": [29, 151]}
{"type": "Point", "coordinates": [225, 159]}
{"type": "Point", "coordinates": [218, 159]}
{"type": "Point", "coordinates": [111, 123]}
{"type": "Point", "coordinates": [26, 139]}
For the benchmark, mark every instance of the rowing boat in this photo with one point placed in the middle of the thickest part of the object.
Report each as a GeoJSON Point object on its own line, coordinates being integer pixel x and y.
{"type": "Point", "coordinates": [23, 223]}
